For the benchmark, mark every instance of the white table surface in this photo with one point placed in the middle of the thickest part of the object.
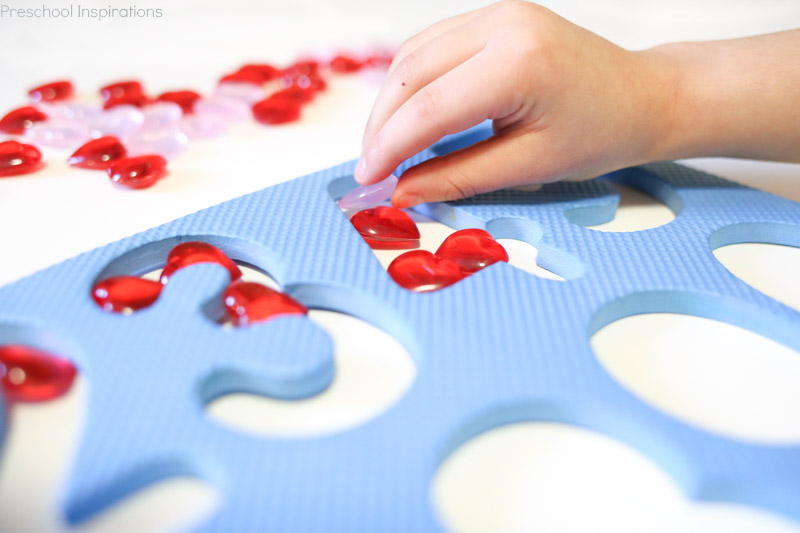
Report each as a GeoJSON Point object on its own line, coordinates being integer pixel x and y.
{"type": "Point", "coordinates": [526, 477]}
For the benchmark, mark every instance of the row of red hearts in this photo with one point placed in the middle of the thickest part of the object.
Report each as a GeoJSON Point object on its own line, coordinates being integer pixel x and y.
{"type": "Point", "coordinates": [461, 254]}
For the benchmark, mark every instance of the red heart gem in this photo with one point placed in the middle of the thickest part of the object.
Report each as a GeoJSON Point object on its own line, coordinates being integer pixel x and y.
{"type": "Point", "coordinates": [295, 94]}
{"type": "Point", "coordinates": [262, 72]}
{"type": "Point", "coordinates": [306, 83]}
{"type": "Point", "coordinates": [241, 77]}
{"type": "Point", "coordinates": [98, 153]}
{"type": "Point", "coordinates": [17, 120]}
{"type": "Point", "coordinates": [379, 60]}
{"type": "Point", "coordinates": [120, 89]}
{"type": "Point", "coordinates": [137, 172]}
{"type": "Point", "coordinates": [302, 68]}
{"type": "Point", "coordinates": [17, 158]}
{"type": "Point", "coordinates": [31, 375]}
{"type": "Point", "coordinates": [134, 99]}
{"type": "Point", "coordinates": [472, 249]}
{"type": "Point", "coordinates": [386, 227]}
{"type": "Point", "coordinates": [51, 92]}
{"type": "Point", "coordinates": [121, 293]}
{"type": "Point", "coordinates": [345, 64]}
{"type": "Point", "coordinates": [248, 303]}
{"type": "Point", "coordinates": [421, 271]}
{"type": "Point", "coordinates": [190, 253]}
{"type": "Point", "coordinates": [276, 110]}
{"type": "Point", "coordinates": [185, 99]}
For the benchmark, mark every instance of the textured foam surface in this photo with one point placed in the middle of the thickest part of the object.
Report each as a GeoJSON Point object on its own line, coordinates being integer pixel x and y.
{"type": "Point", "coordinates": [501, 346]}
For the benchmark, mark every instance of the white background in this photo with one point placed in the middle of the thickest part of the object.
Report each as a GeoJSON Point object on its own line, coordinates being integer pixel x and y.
{"type": "Point", "coordinates": [542, 477]}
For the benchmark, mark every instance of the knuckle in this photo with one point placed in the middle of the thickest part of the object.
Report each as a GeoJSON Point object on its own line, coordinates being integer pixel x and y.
{"type": "Point", "coordinates": [459, 184]}
{"type": "Point", "coordinates": [408, 65]}
{"type": "Point", "coordinates": [377, 150]}
{"type": "Point", "coordinates": [408, 46]}
{"type": "Point", "coordinates": [517, 10]}
{"type": "Point", "coordinates": [427, 101]}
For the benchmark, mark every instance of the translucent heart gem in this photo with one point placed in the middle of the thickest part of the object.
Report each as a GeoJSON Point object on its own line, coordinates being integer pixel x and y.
{"type": "Point", "coordinates": [120, 89]}
{"type": "Point", "coordinates": [31, 375]}
{"type": "Point", "coordinates": [167, 142]}
{"type": "Point", "coordinates": [261, 71]}
{"type": "Point", "coordinates": [345, 64]}
{"type": "Point", "coordinates": [222, 107]}
{"type": "Point", "coordinates": [120, 122]}
{"type": "Point", "coordinates": [121, 294]}
{"type": "Point", "coordinates": [135, 100]}
{"type": "Point", "coordinates": [17, 158]}
{"type": "Point", "coordinates": [137, 172]}
{"type": "Point", "coordinates": [421, 271]}
{"type": "Point", "coordinates": [161, 115]}
{"type": "Point", "coordinates": [312, 83]}
{"type": "Point", "coordinates": [386, 227]}
{"type": "Point", "coordinates": [243, 92]}
{"type": "Point", "coordinates": [76, 112]}
{"type": "Point", "coordinates": [250, 303]}
{"type": "Point", "coordinates": [193, 252]}
{"type": "Point", "coordinates": [241, 77]}
{"type": "Point", "coordinates": [294, 93]}
{"type": "Point", "coordinates": [202, 127]}
{"type": "Point", "coordinates": [472, 249]}
{"type": "Point", "coordinates": [302, 68]}
{"type": "Point", "coordinates": [57, 133]}
{"type": "Point", "coordinates": [51, 92]}
{"type": "Point", "coordinates": [276, 111]}
{"type": "Point", "coordinates": [185, 99]}
{"type": "Point", "coordinates": [18, 120]}
{"type": "Point", "coordinates": [98, 153]}
{"type": "Point", "coordinates": [369, 195]}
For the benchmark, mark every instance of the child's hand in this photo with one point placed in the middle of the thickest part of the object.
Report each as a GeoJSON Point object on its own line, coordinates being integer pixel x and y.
{"type": "Point", "coordinates": [566, 104]}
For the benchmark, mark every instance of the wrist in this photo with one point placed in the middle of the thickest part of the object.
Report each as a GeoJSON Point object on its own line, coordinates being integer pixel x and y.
{"type": "Point", "coordinates": [680, 121]}
{"type": "Point", "coordinates": [728, 98]}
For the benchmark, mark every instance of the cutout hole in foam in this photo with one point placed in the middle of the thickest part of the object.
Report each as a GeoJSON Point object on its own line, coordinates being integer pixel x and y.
{"type": "Point", "coordinates": [765, 256]}
{"type": "Point", "coordinates": [770, 268]}
{"type": "Point", "coordinates": [174, 504]}
{"type": "Point", "coordinates": [36, 460]}
{"type": "Point", "coordinates": [709, 374]}
{"type": "Point", "coordinates": [214, 309]}
{"type": "Point", "coordinates": [557, 477]}
{"type": "Point", "coordinates": [521, 254]}
{"type": "Point", "coordinates": [373, 371]}
{"type": "Point", "coordinates": [645, 202]}
{"type": "Point", "coordinates": [151, 257]}
{"type": "Point", "coordinates": [249, 273]}
{"type": "Point", "coordinates": [636, 211]}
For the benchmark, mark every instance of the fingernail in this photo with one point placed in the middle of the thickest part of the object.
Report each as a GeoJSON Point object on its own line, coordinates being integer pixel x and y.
{"type": "Point", "coordinates": [360, 172]}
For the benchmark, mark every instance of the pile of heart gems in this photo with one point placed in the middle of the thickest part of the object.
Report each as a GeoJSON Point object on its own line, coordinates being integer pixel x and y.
{"type": "Point", "coordinates": [463, 253]}
{"type": "Point", "coordinates": [132, 134]}
{"type": "Point", "coordinates": [245, 302]}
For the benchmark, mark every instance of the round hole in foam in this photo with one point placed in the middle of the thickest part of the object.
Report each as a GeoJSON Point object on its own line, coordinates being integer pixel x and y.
{"type": "Point", "coordinates": [373, 371]}
{"type": "Point", "coordinates": [710, 374]}
{"type": "Point", "coordinates": [544, 476]}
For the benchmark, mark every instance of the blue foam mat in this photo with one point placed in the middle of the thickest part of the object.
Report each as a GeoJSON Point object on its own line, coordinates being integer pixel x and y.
{"type": "Point", "coordinates": [498, 347]}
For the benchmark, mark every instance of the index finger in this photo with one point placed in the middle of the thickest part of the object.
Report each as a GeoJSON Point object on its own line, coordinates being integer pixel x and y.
{"type": "Point", "coordinates": [463, 97]}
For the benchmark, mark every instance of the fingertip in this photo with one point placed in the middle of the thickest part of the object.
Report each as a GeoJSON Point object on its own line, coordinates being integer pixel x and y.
{"type": "Point", "coordinates": [360, 172]}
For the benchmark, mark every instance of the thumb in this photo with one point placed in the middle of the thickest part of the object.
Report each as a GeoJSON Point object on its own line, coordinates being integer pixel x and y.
{"type": "Point", "coordinates": [495, 163]}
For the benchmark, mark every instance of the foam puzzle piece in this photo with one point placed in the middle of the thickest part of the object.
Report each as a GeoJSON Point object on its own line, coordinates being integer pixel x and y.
{"type": "Point", "coordinates": [501, 346]}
